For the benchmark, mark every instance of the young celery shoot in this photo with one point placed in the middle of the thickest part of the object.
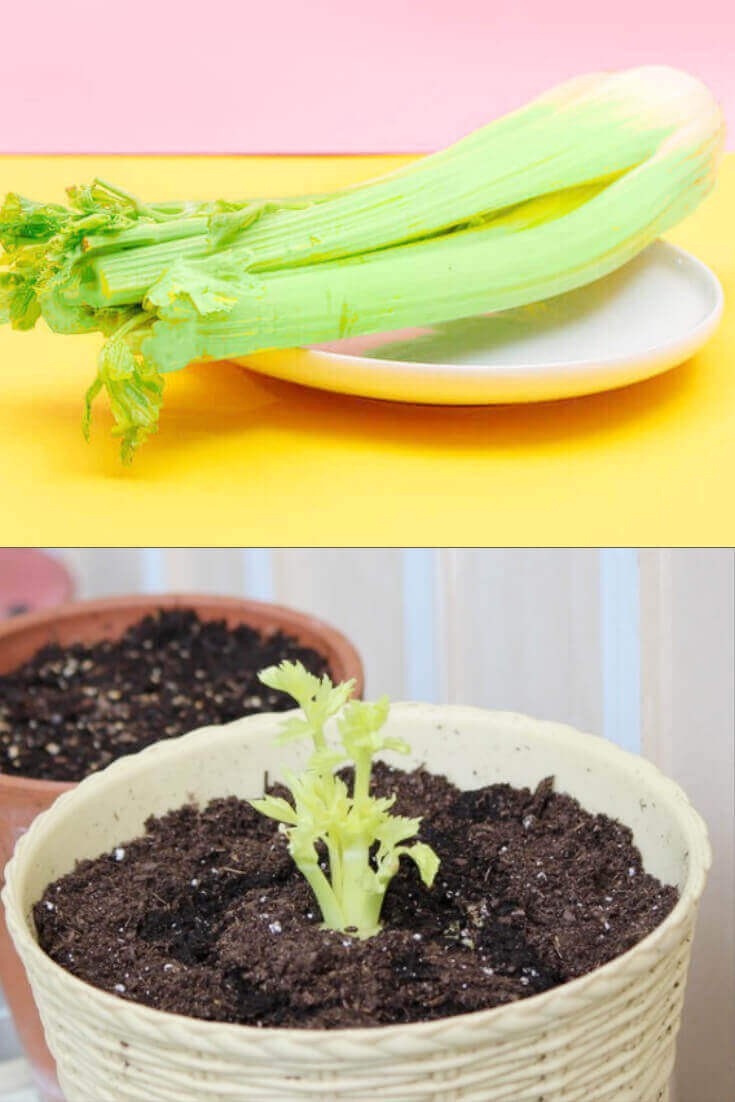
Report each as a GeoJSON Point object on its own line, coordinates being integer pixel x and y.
{"type": "Point", "coordinates": [362, 839]}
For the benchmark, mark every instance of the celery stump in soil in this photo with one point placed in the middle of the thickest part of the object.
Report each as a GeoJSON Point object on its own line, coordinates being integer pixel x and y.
{"type": "Point", "coordinates": [363, 841]}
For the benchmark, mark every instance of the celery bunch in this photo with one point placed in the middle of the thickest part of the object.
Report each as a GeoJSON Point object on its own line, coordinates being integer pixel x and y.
{"type": "Point", "coordinates": [362, 840]}
{"type": "Point", "coordinates": [538, 202]}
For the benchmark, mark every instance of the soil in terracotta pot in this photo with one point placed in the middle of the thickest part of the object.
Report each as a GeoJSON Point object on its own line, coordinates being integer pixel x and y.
{"type": "Point", "coordinates": [71, 710]}
{"type": "Point", "coordinates": [207, 916]}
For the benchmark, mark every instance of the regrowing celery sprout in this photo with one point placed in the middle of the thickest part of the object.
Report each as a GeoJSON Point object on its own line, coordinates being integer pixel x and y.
{"type": "Point", "coordinates": [543, 200]}
{"type": "Point", "coordinates": [362, 842]}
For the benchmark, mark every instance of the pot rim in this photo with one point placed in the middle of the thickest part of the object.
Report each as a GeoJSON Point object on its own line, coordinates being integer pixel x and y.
{"type": "Point", "coordinates": [292, 619]}
{"type": "Point", "coordinates": [508, 1020]}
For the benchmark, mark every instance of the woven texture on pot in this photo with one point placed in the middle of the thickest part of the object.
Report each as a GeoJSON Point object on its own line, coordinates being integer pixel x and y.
{"type": "Point", "coordinates": [606, 1037]}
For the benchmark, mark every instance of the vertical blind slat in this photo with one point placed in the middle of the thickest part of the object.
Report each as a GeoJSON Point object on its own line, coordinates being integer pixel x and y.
{"type": "Point", "coordinates": [521, 631]}
{"type": "Point", "coordinates": [360, 592]}
{"type": "Point", "coordinates": [688, 717]}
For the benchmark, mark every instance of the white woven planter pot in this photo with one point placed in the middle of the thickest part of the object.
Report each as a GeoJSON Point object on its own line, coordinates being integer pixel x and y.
{"type": "Point", "coordinates": [607, 1037]}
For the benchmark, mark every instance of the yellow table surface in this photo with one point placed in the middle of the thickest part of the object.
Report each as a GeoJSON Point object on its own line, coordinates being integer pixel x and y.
{"type": "Point", "coordinates": [244, 460]}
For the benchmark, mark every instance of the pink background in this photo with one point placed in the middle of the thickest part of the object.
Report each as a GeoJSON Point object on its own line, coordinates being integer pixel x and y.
{"type": "Point", "coordinates": [319, 75]}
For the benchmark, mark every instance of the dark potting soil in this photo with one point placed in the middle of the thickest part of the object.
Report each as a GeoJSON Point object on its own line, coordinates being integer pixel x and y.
{"type": "Point", "coordinates": [71, 710]}
{"type": "Point", "coordinates": [207, 916]}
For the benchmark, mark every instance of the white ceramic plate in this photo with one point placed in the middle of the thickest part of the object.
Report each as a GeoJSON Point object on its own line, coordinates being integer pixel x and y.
{"type": "Point", "coordinates": [647, 317]}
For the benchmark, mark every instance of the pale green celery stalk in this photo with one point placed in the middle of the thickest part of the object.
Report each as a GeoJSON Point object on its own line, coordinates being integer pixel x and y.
{"type": "Point", "coordinates": [324, 893]}
{"type": "Point", "coordinates": [146, 234]}
{"type": "Point", "coordinates": [588, 129]}
{"type": "Point", "coordinates": [191, 220]}
{"type": "Point", "coordinates": [477, 270]}
{"type": "Point", "coordinates": [361, 909]}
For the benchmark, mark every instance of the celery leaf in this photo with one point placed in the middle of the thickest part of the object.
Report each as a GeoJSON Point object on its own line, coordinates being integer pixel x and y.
{"type": "Point", "coordinates": [135, 392]}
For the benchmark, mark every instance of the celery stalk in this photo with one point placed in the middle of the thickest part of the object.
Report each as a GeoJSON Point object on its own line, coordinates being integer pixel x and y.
{"type": "Point", "coordinates": [587, 129]}
{"type": "Point", "coordinates": [477, 270]}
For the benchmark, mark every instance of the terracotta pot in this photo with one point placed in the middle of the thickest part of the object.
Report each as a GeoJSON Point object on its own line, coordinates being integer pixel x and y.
{"type": "Point", "coordinates": [22, 798]}
{"type": "Point", "coordinates": [608, 1036]}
